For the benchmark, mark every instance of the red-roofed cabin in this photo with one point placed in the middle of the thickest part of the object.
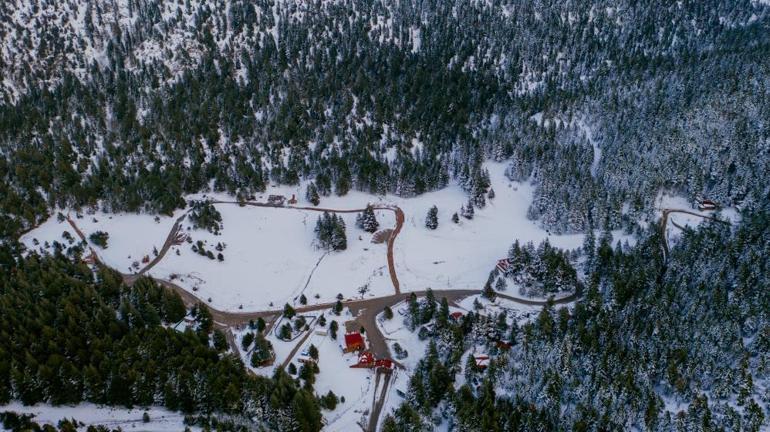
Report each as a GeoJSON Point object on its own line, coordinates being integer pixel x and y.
{"type": "Point", "coordinates": [354, 342]}
{"type": "Point", "coordinates": [503, 265]}
{"type": "Point", "coordinates": [707, 205]}
{"type": "Point", "coordinates": [365, 360]}
{"type": "Point", "coordinates": [482, 361]}
{"type": "Point", "coordinates": [456, 315]}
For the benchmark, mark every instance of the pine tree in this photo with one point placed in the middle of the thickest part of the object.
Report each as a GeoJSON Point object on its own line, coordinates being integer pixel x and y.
{"type": "Point", "coordinates": [500, 285]}
{"type": "Point", "coordinates": [339, 239]}
{"type": "Point", "coordinates": [467, 211]}
{"type": "Point", "coordinates": [369, 220]}
{"type": "Point", "coordinates": [431, 220]}
{"type": "Point", "coordinates": [333, 326]}
{"type": "Point", "coordinates": [247, 340]}
{"type": "Point", "coordinates": [488, 292]}
{"type": "Point", "coordinates": [311, 194]}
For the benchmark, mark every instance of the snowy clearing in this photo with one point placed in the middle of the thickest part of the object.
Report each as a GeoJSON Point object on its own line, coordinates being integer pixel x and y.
{"type": "Point", "coordinates": [161, 420]}
{"type": "Point", "coordinates": [270, 258]}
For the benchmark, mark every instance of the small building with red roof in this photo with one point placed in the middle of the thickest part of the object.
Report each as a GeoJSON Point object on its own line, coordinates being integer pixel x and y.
{"type": "Point", "coordinates": [354, 342]}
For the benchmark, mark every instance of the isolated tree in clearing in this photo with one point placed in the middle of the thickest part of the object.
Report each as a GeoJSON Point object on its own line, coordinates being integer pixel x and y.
{"type": "Point", "coordinates": [467, 210]}
{"type": "Point", "coordinates": [431, 220]}
{"type": "Point", "coordinates": [369, 220]}
{"type": "Point", "coordinates": [330, 232]}
{"type": "Point", "coordinates": [99, 238]}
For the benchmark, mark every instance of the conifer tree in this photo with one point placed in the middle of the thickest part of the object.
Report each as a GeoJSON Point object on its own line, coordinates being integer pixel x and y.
{"type": "Point", "coordinates": [369, 220]}
{"type": "Point", "coordinates": [311, 194]}
{"type": "Point", "coordinates": [431, 220]}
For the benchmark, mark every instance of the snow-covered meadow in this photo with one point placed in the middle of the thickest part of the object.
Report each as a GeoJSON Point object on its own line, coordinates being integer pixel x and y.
{"type": "Point", "coordinates": [270, 258]}
{"type": "Point", "coordinates": [160, 420]}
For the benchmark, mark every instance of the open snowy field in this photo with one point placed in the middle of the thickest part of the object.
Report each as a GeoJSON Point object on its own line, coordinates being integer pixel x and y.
{"type": "Point", "coordinates": [161, 420]}
{"type": "Point", "coordinates": [270, 258]}
{"type": "Point", "coordinates": [132, 236]}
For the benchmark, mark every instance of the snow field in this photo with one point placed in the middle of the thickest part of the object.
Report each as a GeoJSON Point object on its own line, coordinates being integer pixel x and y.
{"type": "Point", "coordinates": [270, 258]}
{"type": "Point", "coordinates": [161, 420]}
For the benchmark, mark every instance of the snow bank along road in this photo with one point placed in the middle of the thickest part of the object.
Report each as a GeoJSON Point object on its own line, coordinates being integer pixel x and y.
{"type": "Point", "coordinates": [365, 310]}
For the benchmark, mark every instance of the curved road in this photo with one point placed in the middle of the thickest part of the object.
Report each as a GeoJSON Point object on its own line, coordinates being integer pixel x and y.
{"type": "Point", "coordinates": [365, 310]}
{"type": "Point", "coordinates": [664, 223]}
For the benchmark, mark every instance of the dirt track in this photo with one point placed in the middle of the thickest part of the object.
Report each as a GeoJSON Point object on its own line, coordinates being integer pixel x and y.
{"type": "Point", "coordinates": [365, 310]}
{"type": "Point", "coordinates": [664, 223]}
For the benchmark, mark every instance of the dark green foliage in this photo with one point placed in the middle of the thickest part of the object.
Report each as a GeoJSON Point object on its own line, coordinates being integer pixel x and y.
{"type": "Point", "coordinates": [313, 352]}
{"type": "Point", "coordinates": [69, 345]}
{"type": "Point", "coordinates": [219, 340]}
{"type": "Point", "coordinates": [333, 326]}
{"type": "Point", "coordinates": [431, 220]}
{"type": "Point", "coordinates": [99, 238]}
{"type": "Point", "coordinates": [330, 232]}
{"type": "Point", "coordinates": [288, 311]}
{"type": "Point", "coordinates": [329, 401]}
{"type": "Point", "coordinates": [367, 220]}
{"type": "Point", "coordinates": [263, 351]}
{"type": "Point", "coordinates": [311, 194]}
{"type": "Point", "coordinates": [247, 340]}
{"type": "Point", "coordinates": [285, 332]}
{"type": "Point", "coordinates": [204, 215]}
{"type": "Point", "coordinates": [542, 271]}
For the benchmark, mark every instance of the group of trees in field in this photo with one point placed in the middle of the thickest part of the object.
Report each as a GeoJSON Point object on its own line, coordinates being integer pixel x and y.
{"type": "Point", "coordinates": [203, 215]}
{"type": "Point", "coordinates": [330, 232]}
{"type": "Point", "coordinates": [367, 220]}
{"type": "Point", "coordinates": [540, 271]}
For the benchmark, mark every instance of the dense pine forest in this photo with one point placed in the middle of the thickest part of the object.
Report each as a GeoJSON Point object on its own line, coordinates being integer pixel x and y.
{"type": "Point", "coordinates": [694, 332]}
{"type": "Point", "coordinates": [130, 104]}
{"type": "Point", "coordinates": [69, 336]}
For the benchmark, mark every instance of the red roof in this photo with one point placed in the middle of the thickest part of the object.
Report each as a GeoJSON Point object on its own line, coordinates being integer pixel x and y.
{"type": "Point", "coordinates": [353, 339]}
{"type": "Point", "coordinates": [456, 315]}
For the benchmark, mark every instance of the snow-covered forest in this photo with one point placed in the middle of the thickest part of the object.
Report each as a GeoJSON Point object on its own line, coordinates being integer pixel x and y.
{"type": "Point", "coordinates": [539, 125]}
{"type": "Point", "coordinates": [130, 104]}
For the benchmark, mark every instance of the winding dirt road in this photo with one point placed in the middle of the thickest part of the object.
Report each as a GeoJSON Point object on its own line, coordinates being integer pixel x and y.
{"type": "Point", "coordinates": [365, 310]}
{"type": "Point", "coordinates": [664, 224]}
